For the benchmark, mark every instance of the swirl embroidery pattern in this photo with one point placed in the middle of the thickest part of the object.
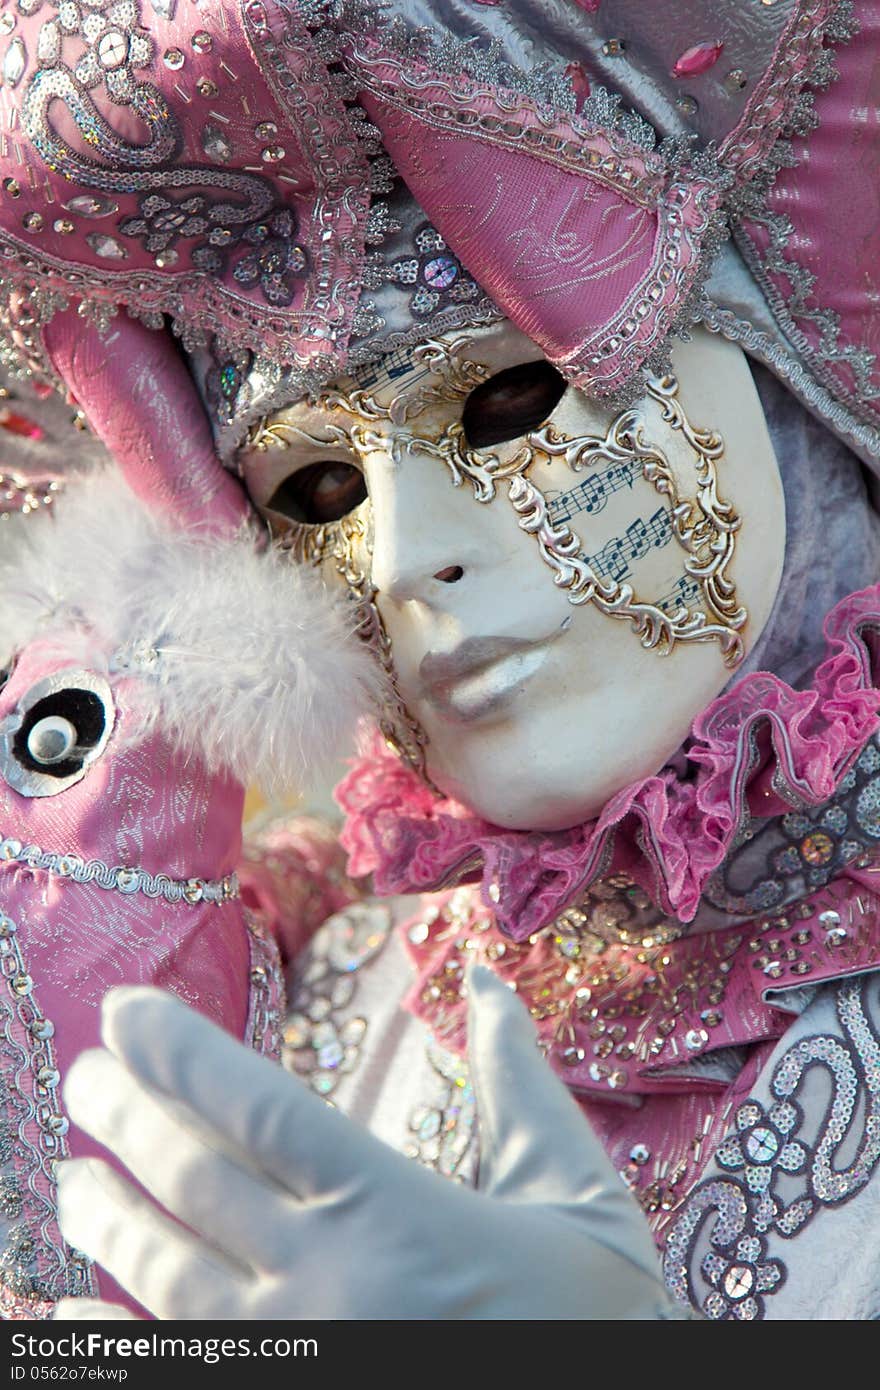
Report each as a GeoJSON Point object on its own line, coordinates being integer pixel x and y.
{"type": "Point", "coordinates": [241, 214]}
{"type": "Point", "coordinates": [748, 1207]}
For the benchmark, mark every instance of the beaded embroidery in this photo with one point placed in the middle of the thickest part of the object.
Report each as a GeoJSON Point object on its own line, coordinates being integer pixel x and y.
{"type": "Point", "coordinates": [443, 1132]}
{"type": "Point", "coordinates": [36, 1266]}
{"type": "Point", "coordinates": [746, 1207]}
{"type": "Point", "coordinates": [319, 1044]}
{"type": "Point", "coordinates": [797, 853]}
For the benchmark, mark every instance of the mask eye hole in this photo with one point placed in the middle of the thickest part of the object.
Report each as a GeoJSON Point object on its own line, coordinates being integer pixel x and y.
{"type": "Point", "coordinates": [511, 403]}
{"type": "Point", "coordinates": [319, 493]}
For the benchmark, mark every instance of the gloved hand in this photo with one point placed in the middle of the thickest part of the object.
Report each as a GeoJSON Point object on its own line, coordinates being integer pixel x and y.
{"type": "Point", "coordinates": [294, 1211]}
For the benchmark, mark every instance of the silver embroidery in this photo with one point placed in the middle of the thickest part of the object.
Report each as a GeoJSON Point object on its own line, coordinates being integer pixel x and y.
{"type": "Point", "coordinates": [318, 1042]}
{"type": "Point", "coordinates": [442, 1133]}
{"type": "Point", "coordinates": [120, 878]}
{"type": "Point", "coordinates": [36, 1267]}
{"type": "Point", "coordinates": [769, 1146]}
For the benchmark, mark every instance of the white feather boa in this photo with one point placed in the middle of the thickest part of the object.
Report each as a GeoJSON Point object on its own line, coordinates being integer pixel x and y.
{"type": "Point", "coordinates": [240, 656]}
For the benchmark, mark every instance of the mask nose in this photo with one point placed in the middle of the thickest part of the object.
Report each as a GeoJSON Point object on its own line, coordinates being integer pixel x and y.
{"type": "Point", "coordinates": [423, 530]}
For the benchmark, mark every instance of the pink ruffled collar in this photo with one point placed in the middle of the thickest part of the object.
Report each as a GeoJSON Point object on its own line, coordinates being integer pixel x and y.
{"type": "Point", "coordinates": [757, 750]}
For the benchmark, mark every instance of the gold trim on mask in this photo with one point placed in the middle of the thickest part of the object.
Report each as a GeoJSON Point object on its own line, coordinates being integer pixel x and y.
{"type": "Point", "coordinates": [704, 526]}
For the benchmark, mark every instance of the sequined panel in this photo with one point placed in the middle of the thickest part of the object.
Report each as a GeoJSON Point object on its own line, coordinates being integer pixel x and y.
{"type": "Point", "coordinates": [442, 1131]}
{"type": "Point", "coordinates": [323, 1034]}
{"type": "Point", "coordinates": [794, 854]}
{"type": "Point", "coordinates": [748, 1211]}
{"type": "Point", "coordinates": [36, 1266]}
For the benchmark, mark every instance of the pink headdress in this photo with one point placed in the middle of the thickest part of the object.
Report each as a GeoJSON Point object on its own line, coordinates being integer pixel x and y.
{"type": "Point", "coordinates": [232, 171]}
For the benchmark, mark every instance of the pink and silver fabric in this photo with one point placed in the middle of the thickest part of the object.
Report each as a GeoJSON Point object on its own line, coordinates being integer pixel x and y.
{"type": "Point", "coordinates": [231, 170]}
{"type": "Point", "coordinates": [123, 875]}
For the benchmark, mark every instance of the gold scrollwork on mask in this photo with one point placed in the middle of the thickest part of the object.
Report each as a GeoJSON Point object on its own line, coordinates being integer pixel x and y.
{"type": "Point", "coordinates": [704, 526]}
{"type": "Point", "coordinates": [339, 542]}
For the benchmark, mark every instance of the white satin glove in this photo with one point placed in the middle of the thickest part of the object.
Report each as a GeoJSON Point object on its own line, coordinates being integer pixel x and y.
{"type": "Point", "coordinates": [294, 1211]}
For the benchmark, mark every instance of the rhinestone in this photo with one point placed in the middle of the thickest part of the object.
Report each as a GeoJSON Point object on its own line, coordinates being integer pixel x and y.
{"type": "Point", "coordinates": [272, 154]}
{"type": "Point", "coordinates": [318, 1009]}
{"type": "Point", "coordinates": [7, 926]}
{"type": "Point", "coordinates": [323, 1082]}
{"type": "Point", "coordinates": [835, 936]}
{"type": "Point", "coordinates": [63, 226]}
{"type": "Point", "coordinates": [762, 1145]}
{"type": "Point", "coordinates": [710, 1018]}
{"type": "Point", "coordinates": [14, 63]}
{"type": "Point", "coordinates": [173, 59]}
{"type": "Point", "coordinates": [735, 80]}
{"type": "Point", "coordinates": [773, 969]}
{"type": "Point", "coordinates": [7, 23]}
{"type": "Point", "coordinates": [215, 144]}
{"type": "Point", "coordinates": [206, 88]}
{"type": "Point", "coordinates": [48, 1077]}
{"type": "Point", "coordinates": [258, 975]}
{"type": "Point", "coordinates": [202, 41]}
{"type": "Point", "coordinates": [440, 272]}
{"type": "Point", "coordinates": [112, 50]}
{"type": "Point", "coordinates": [352, 1032]}
{"type": "Point", "coordinates": [739, 1281]}
{"type": "Point", "coordinates": [612, 48]}
{"type": "Point", "coordinates": [430, 1126]}
{"type": "Point", "coordinates": [106, 246]}
{"type": "Point", "coordinates": [419, 933]}
{"type": "Point", "coordinates": [166, 258]}
{"type": "Point", "coordinates": [88, 206]}
{"type": "Point", "coordinates": [830, 918]}
{"type": "Point", "coordinates": [33, 221]}
{"type": "Point", "coordinates": [695, 1037]}
{"type": "Point", "coordinates": [22, 984]}
{"type": "Point", "coordinates": [297, 1032]}
{"type": "Point", "coordinates": [596, 1071]}
{"type": "Point", "coordinates": [265, 130]}
{"type": "Point", "coordinates": [57, 1124]}
{"type": "Point", "coordinates": [331, 1055]}
{"type": "Point", "coordinates": [697, 59]}
{"type": "Point", "coordinates": [42, 1028]}
{"type": "Point", "coordinates": [571, 1056]}
{"type": "Point", "coordinates": [687, 105]}
{"type": "Point", "coordinates": [12, 187]}
{"type": "Point", "coordinates": [640, 1153]}
{"type": "Point", "coordinates": [616, 1080]}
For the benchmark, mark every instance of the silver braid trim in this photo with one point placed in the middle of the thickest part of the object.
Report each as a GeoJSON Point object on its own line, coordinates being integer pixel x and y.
{"type": "Point", "coordinates": [120, 878]}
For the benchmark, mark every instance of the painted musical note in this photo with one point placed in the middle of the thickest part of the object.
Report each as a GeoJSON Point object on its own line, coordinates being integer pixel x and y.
{"type": "Point", "coordinates": [614, 560]}
{"type": "Point", "coordinates": [592, 493]}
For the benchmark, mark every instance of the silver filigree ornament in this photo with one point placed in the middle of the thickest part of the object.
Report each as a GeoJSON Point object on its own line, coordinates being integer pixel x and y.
{"type": "Point", "coordinates": [705, 526]}
{"type": "Point", "coordinates": [115, 51]}
{"type": "Point", "coordinates": [771, 1146]}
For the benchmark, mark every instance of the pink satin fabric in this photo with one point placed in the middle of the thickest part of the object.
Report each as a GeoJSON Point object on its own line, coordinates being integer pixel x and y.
{"type": "Point", "coordinates": [589, 244]}
{"type": "Point", "coordinates": [140, 805]}
{"type": "Point", "coordinates": [138, 397]}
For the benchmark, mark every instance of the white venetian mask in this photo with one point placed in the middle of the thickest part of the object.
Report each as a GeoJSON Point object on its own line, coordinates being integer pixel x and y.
{"type": "Point", "coordinates": [563, 586]}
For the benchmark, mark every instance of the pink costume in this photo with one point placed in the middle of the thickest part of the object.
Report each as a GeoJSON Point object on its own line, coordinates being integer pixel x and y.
{"type": "Point", "coordinates": [305, 190]}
